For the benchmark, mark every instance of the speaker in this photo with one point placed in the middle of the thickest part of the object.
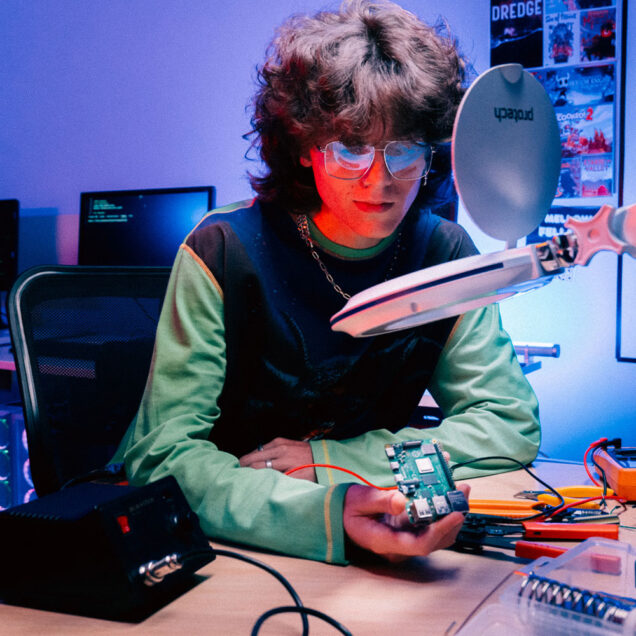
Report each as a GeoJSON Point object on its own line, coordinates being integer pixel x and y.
{"type": "Point", "coordinates": [103, 550]}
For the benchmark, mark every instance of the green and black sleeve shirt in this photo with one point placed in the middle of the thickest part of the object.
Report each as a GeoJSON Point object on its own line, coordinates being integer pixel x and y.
{"type": "Point", "coordinates": [244, 353]}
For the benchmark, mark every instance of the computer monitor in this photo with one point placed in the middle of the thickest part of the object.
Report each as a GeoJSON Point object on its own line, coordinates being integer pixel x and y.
{"type": "Point", "coordinates": [139, 227]}
{"type": "Point", "coordinates": [9, 211]}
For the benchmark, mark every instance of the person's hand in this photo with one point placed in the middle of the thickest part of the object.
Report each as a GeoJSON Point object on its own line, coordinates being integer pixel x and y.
{"type": "Point", "coordinates": [376, 520]}
{"type": "Point", "coordinates": [282, 454]}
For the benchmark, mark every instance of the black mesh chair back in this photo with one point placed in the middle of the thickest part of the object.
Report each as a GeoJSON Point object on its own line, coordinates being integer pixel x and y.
{"type": "Point", "coordinates": [82, 340]}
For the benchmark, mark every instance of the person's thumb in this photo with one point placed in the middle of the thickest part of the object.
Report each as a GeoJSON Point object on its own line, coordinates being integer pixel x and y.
{"type": "Point", "coordinates": [368, 501]}
{"type": "Point", "coordinates": [395, 503]}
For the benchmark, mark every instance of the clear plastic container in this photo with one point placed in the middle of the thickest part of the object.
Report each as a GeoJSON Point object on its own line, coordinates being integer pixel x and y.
{"type": "Point", "coordinates": [590, 590]}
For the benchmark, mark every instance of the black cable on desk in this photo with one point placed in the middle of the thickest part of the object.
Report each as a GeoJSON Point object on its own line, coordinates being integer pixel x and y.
{"type": "Point", "coordinates": [543, 513]}
{"type": "Point", "coordinates": [297, 608]}
{"type": "Point", "coordinates": [304, 611]}
{"type": "Point", "coordinates": [288, 586]}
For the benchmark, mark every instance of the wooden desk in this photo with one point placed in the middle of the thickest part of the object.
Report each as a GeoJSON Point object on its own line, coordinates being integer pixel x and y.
{"type": "Point", "coordinates": [431, 595]}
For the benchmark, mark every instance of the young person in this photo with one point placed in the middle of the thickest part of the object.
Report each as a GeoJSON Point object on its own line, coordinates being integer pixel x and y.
{"type": "Point", "coordinates": [248, 381]}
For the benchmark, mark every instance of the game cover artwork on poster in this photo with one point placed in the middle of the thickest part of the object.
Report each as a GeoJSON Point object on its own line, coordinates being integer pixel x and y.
{"type": "Point", "coordinates": [583, 99]}
{"type": "Point", "coordinates": [597, 176]}
{"type": "Point", "coordinates": [586, 130]}
{"type": "Point", "coordinates": [575, 61]}
{"type": "Point", "coordinates": [561, 38]}
{"type": "Point", "coordinates": [516, 32]}
{"type": "Point", "coordinates": [556, 6]}
{"type": "Point", "coordinates": [579, 85]}
{"type": "Point", "coordinates": [569, 186]}
{"type": "Point", "coordinates": [598, 35]}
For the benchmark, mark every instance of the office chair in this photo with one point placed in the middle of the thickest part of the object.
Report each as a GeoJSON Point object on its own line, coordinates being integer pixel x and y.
{"type": "Point", "coordinates": [82, 339]}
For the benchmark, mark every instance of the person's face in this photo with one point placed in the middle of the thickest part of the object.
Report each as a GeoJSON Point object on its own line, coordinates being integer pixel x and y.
{"type": "Point", "coordinates": [360, 213]}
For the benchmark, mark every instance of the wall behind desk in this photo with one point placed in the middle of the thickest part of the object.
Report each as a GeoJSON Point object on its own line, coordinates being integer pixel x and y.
{"type": "Point", "coordinates": [152, 93]}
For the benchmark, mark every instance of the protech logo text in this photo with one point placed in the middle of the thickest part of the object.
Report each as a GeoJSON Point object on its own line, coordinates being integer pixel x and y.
{"type": "Point", "coordinates": [518, 114]}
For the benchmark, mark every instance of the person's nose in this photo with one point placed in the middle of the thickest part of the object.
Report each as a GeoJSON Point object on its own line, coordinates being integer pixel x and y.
{"type": "Point", "coordinates": [378, 173]}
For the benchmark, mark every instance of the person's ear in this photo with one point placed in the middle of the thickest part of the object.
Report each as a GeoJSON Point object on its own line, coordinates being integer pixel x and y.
{"type": "Point", "coordinates": [305, 161]}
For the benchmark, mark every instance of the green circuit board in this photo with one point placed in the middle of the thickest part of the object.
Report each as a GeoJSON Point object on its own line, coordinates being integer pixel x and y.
{"type": "Point", "coordinates": [424, 478]}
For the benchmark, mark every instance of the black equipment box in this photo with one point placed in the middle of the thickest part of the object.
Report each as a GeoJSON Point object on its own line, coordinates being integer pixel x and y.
{"type": "Point", "coordinates": [103, 550]}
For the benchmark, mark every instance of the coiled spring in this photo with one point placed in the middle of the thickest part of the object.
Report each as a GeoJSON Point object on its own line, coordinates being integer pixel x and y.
{"type": "Point", "coordinates": [604, 606]}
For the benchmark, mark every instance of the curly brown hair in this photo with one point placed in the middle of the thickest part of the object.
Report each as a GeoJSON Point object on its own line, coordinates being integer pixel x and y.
{"type": "Point", "coordinates": [358, 74]}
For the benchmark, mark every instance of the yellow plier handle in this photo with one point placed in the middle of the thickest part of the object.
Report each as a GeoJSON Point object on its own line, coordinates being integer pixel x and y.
{"type": "Point", "coordinates": [572, 494]}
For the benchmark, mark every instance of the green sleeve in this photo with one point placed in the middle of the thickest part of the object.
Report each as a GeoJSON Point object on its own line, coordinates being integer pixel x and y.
{"type": "Point", "coordinates": [489, 405]}
{"type": "Point", "coordinates": [169, 436]}
{"type": "Point", "coordinates": [489, 408]}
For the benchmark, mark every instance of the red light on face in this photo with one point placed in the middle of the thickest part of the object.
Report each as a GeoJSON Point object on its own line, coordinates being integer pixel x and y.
{"type": "Point", "coordinates": [122, 520]}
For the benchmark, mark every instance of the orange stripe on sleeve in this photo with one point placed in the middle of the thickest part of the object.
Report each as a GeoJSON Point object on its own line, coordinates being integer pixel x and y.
{"type": "Point", "coordinates": [204, 267]}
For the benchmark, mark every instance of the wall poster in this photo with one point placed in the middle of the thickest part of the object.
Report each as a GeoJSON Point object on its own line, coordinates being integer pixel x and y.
{"type": "Point", "coordinates": [574, 48]}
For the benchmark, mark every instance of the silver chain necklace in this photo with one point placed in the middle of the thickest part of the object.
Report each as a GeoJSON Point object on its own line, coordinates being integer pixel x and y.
{"type": "Point", "coordinates": [302, 223]}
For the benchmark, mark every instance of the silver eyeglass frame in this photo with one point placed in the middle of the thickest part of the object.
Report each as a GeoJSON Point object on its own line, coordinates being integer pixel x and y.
{"type": "Point", "coordinates": [424, 175]}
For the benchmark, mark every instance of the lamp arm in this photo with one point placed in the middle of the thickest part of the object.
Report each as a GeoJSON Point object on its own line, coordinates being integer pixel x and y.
{"type": "Point", "coordinates": [609, 229]}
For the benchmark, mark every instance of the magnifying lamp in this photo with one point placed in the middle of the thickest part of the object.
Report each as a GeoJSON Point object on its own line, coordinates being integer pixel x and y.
{"type": "Point", "coordinates": [506, 160]}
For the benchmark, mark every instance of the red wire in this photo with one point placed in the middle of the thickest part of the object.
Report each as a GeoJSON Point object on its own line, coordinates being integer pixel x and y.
{"type": "Point", "coordinates": [344, 470]}
{"type": "Point", "coordinates": [593, 445]}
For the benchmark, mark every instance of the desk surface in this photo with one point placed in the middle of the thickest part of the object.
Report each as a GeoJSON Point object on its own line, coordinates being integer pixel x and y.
{"type": "Point", "coordinates": [431, 595]}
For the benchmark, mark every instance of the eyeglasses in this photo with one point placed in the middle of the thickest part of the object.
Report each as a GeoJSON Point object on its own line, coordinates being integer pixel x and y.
{"type": "Point", "coordinates": [405, 160]}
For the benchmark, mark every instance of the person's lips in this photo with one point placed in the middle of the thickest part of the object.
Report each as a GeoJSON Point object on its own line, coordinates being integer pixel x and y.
{"type": "Point", "coordinates": [370, 206]}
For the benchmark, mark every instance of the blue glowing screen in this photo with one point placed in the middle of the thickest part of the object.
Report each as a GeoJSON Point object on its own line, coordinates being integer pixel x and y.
{"type": "Point", "coordinates": [139, 227]}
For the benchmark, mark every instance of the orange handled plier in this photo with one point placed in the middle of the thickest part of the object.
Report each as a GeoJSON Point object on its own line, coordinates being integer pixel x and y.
{"type": "Point", "coordinates": [479, 531]}
{"type": "Point", "coordinates": [510, 508]}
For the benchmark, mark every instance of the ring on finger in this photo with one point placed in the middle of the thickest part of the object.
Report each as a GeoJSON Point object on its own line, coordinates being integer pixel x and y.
{"type": "Point", "coordinates": [268, 463]}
